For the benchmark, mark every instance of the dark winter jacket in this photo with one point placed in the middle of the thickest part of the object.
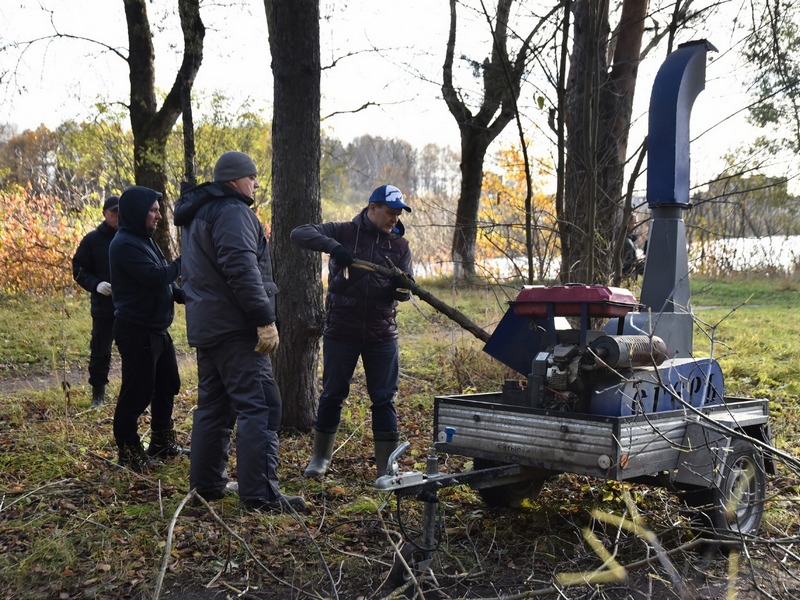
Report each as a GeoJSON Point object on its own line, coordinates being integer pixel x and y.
{"type": "Point", "coordinates": [90, 267]}
{"type": "Point", "coordinates": [227, 270]}
{"type": "Point", "coordinates": [361, 306]}
{"type": "Point", "coordinates": [142, 281]}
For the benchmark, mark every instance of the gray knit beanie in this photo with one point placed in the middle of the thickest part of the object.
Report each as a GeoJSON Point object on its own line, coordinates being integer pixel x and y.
{"type": "Point", "coordinates": [234, 165]}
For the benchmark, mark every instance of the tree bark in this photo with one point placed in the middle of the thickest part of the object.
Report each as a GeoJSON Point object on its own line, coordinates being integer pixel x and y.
{"type": "Point", "coordinates": [451, 313]}
{"type": "Point", "coordinates": [294, 45]}
{"type": "Point", "coordinates": [150, 125]}
{"type": "Point", "coordinates": [598, 113]}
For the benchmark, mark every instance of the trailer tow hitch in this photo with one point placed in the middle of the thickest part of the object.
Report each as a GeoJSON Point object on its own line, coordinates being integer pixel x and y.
{"type": "Point", "coordinates": [415, 556]}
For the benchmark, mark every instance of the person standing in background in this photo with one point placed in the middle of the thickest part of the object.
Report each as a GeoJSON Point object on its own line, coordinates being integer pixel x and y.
{"type": "Point", "coordinates": [91, 271]}
{"type": "Point", "coordinates": [144, 293]}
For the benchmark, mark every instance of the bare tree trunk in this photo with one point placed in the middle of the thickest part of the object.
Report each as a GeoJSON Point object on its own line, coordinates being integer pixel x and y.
{"type": "Point", "coordinates": [473, 151]}
{"type": "Point", "coordinates": [598, 113]}
{"type": "Point", "coordinates": [294, 45]}
{"type": "Point", "coordinates": [501, 85]}
{"type": "Point", "coordinates": [150, 125]}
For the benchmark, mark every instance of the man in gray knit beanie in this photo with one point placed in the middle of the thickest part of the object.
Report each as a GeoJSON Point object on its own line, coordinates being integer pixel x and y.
{"type": "Point", "coordinates": [231, 321]}
{"type": "Point", "coordinates": [234, 165]}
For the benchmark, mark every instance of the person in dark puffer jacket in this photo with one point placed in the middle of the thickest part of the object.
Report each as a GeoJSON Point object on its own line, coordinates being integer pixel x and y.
{"type": "Point", "coordinates": [144, 293]}
{"type": "Point", "coordinates": [360, 319]}
{"type": "Point", "coordinates": [231, 320]}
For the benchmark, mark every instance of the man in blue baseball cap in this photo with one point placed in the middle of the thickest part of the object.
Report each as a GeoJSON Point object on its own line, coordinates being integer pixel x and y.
{"type": "Point", "coordinates": [361, 319]}
{"type": "Point", "coordinates": [389, 196]}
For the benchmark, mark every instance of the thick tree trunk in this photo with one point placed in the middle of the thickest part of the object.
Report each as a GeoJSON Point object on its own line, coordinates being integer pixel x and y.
{"type": "Point", "coordinates": [150, 125]}
{"type": "Point", "coordinates": [473, 151]}
{"type": "Point", "coordinates": [294, 45]}
{"type": "Point", "coordinates": [598, 112]}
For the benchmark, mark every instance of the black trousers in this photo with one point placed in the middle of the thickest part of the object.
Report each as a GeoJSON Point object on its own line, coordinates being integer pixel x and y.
{"type": "Point", "coordinates": [100, 350]}
{"type": "Point", "coordinates": [149, 378]}
{"type": "Point", "coordinates": [236, 387]}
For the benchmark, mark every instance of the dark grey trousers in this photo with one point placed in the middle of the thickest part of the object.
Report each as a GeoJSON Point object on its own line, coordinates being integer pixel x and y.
{"type": "Point", "coordinates": [236, 388]}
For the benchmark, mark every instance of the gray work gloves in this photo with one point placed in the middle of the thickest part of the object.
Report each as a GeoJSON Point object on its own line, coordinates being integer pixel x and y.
{"type": "Point", "coordinates": [267, 339]}
{"type": "Point", "coordinates": [104, 288]}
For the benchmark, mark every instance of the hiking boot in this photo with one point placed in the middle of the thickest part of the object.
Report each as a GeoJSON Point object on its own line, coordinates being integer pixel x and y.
{"type": "Point", "coordinates": [164, 443]}
{"type": "Point", "coordinates": [98, 396]}
{"type": "Point", "coordinates": [281, 504]}
{"type": "Point", "coordinates": [134, 457]}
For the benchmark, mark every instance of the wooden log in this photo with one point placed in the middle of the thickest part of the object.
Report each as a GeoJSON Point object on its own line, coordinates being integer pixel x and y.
{"type": "Point", "coordinates": [409, 284]}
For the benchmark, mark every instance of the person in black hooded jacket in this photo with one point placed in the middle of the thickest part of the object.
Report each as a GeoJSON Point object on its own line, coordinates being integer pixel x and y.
{"type": "Point", "coordinates": [91, 271]}
{"type": "Point", "coordinates": [144, 292]}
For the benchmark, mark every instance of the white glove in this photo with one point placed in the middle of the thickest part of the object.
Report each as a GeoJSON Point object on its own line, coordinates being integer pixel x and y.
{"type": "Point", "coordinates": [267, 339]}
{"type": "Point", "coordinates": [104, 288]}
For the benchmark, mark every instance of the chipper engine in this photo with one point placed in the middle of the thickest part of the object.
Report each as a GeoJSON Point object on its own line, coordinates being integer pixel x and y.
{"type": "Point", "coordinates": [618, 395]}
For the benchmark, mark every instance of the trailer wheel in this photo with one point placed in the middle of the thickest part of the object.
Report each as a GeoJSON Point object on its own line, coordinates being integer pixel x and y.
{"type": "Point", "coordinates": [508, 495]}
{"type": "Point", "coordinates": [737, 504]}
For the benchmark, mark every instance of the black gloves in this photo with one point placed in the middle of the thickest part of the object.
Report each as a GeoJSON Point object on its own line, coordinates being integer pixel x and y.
{"type": "Point", "coordinates": [400, 280]}
{"type": "Point", "coordinates": [342, 256]}
{"type": "Point", "coordinates": [178, 295]}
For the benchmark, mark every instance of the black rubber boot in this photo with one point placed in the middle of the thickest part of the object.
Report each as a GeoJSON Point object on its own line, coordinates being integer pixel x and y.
{"type": "Point", "coordinates": [320, 454]}
{"type": "Point", "coordinates": [98, 396]}
{"type": "Point", "coordinates": [164, 443]}
{"type": "Point", "coordinates": [385, 444]}
{"type": "Point", "coordinates": [133, 456]}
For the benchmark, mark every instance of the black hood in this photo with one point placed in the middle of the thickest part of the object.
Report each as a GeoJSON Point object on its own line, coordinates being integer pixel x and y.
{"type": "Point", "coordinates": [134, 204]}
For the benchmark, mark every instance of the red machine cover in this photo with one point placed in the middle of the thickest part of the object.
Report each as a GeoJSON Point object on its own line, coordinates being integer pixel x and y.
{"type": "Point", "coordinates": [602, 301]}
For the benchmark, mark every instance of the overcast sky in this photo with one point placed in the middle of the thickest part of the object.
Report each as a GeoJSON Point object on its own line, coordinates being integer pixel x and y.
{"type": "Point", "coordinates": [62, 79]}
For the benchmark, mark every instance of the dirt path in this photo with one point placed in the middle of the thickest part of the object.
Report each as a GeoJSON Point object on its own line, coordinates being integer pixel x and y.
{"type": "Point", "coordinates": [74, 375]}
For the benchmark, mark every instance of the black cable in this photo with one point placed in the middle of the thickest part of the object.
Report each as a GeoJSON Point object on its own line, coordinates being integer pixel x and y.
{"type": "Point", "coordinates": [407, 536]}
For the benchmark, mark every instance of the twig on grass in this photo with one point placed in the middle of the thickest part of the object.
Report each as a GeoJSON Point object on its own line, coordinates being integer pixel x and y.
{"type": "Point", "coordinates": [168, 547]}
{"type": "Point", "coordinates": [4, 506]}
{"type": "Point", "coordinates": [399, 555]}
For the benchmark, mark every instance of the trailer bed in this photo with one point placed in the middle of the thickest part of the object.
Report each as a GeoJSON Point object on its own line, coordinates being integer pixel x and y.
{"type": "Point", "coordinates": [620, 448]}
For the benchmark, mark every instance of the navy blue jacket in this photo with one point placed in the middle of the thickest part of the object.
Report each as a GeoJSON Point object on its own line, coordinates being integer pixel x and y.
{"type": "Point", "coordinates": [142, 281]}
{"type": "Point", "coordinates": [360, 306]}
{"type": "Point", "coordinates": [226, 270]}
{"type": "Point", "coordinates": [90, 267]}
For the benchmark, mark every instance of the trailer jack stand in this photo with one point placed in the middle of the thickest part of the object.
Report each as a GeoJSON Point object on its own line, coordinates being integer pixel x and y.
{"type": "Point", "coordinates": [415, 557]}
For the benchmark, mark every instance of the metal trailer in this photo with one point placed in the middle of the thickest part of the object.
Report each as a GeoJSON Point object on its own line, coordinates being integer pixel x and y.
{"type": "Point", "coordinates": [627, 402]}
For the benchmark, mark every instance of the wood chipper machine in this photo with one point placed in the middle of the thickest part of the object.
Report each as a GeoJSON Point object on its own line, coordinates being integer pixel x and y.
{"type": "Point", "coordinates": [627, 401]}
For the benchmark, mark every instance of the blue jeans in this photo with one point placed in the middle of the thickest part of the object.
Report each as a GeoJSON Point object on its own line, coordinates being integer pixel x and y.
{"type": "Point", "coordinates": [381, 367]}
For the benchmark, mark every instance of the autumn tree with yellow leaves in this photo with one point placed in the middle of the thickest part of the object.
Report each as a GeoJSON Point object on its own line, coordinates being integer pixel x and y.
{"type": "Point", "coordinates": [501, 241]}
{"type": "Point", "coordinates": [37, 241]}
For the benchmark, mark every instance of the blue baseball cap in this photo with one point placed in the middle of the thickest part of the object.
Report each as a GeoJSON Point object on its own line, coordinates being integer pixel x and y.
{"type": "Point", "coordinates": [390, 196]}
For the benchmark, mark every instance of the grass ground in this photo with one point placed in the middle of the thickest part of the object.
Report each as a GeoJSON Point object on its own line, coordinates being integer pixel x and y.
{"type": "Point", "coordinates": [74, 525]}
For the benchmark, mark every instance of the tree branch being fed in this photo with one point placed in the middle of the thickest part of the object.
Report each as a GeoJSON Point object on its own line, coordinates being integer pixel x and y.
{"type": "Point", "coordinates": [409, 284]}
